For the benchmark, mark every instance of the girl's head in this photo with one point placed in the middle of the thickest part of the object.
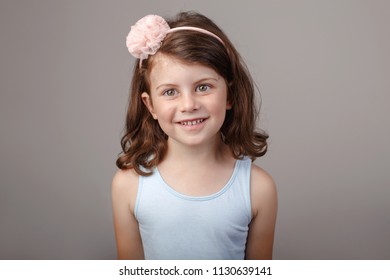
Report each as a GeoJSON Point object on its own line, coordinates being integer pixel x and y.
{"type": "Point", "coordinates": [145, 143]}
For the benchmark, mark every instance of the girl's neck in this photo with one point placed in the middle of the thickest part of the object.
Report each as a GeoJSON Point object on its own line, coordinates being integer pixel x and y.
{"type": "Point", "coordinates": [197, 170]}
{"type": "Point", "coordinates": [193, 155]}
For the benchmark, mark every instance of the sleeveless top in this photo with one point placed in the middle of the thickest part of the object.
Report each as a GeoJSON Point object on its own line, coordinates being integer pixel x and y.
{"type": "Point", "coordinates": [176, 226]}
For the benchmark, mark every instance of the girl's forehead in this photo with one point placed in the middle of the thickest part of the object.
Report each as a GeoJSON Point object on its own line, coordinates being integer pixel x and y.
{"type": "Point", "coordinates": [166, 65]}
{"type": "Point", "coordinates": [162, 60]}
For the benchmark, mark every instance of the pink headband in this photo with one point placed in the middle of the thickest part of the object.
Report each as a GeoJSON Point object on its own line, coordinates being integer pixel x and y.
{"type": "Point", "coordinates": [146, 35]}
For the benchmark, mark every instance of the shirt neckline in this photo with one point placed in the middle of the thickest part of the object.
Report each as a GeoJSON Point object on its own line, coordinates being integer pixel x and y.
{"type": "Point", "coordinates": [199, 198]}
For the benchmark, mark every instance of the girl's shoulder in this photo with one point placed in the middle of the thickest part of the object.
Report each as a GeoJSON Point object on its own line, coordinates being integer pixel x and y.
{"type": "Point", "coordinates": [264, 211]}
{"type": "Point", "coordinates": [261, 177]}
{"type": "Point", "coordinates": [263, 188]}
{"type": "Point", "coordinates": [124, 179]}
{"type": "Point", "coordinates": [124, 187]}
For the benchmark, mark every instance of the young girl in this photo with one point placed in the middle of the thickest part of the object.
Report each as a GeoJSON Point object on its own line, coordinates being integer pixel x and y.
{"type": "Point", "coordinates": [186, 187]}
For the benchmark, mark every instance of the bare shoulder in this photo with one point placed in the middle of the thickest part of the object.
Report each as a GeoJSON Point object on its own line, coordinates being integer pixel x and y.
{"type": "Point", "coordinates": [124, 194]}
{"type": "Point", "coordinates": [124, 187]}
{"type": "Point", "coordinates": [122, 178]}
{"type": "Point", "coordinates": [264, 210]}
{"type": "Point", "coordinates": [261, 181]}
{"type": "Point", "coordinates": [263, 189]}
{"type": "Point", "coordinates": [124, 181]}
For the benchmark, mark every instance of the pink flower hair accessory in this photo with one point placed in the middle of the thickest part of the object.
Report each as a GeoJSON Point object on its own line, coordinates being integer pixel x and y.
{"type": "Point", "coordinates": [146, 35]}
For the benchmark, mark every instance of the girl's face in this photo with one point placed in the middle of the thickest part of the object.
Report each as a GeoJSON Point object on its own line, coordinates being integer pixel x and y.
{"type": "Point", "coordinates": [188, 100]}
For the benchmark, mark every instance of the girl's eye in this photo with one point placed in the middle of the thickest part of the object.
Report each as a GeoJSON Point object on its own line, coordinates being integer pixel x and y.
{"type": "Point", "coordinates": [203, 88]}
{"type": "Point", "coordinates": [169, 92]}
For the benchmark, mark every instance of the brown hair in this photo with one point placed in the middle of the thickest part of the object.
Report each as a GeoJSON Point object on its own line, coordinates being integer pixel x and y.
{"type": "Point", "coordinates": [144, 143]}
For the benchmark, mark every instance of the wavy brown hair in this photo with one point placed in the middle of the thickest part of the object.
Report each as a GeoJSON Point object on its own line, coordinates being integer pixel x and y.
{"type": "Point", "coordinates": [144, 143]}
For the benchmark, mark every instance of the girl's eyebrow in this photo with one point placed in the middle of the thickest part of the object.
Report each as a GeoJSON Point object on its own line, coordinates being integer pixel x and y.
{"type": "Point", "coordinates": [197, 82]}
{"type": "Point", "coordinates": [165, 85]}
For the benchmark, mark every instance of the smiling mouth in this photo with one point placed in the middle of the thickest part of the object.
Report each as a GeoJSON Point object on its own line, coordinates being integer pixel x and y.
{"type": "Point", "coordinates": [193, 122]}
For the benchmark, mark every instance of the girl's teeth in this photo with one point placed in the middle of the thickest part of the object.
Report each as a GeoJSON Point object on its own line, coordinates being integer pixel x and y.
{"type": "Point", "coordinates": [192, 122]}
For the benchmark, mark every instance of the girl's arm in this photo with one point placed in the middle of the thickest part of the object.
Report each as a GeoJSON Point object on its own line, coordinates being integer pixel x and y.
{"type": "Point", "coordinates": [264, 208]}
{"type": "Point", "coordinates": [124, 193]}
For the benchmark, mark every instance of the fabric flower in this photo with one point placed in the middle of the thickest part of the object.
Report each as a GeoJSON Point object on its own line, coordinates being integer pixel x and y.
{"type": "Point", "coordinates": [146, 35]}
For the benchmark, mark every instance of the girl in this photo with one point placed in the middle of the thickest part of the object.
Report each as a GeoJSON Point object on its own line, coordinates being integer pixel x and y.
{"type": "Point", "coordinates": [186, 187]}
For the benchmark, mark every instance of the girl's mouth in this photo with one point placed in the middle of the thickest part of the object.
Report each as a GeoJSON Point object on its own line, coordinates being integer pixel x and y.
{"type": "Point", "coordinates": [192, 122]}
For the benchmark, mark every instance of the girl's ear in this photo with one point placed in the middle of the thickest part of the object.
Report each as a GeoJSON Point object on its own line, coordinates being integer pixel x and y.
{"type": "Point", "coordinates": [148, 103]}
{"type": "Point", "coordinates": [228, 105]}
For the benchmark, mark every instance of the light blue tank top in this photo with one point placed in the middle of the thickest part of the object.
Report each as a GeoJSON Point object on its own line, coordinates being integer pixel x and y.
{"type": "Point", "coordinates": [176, 226]}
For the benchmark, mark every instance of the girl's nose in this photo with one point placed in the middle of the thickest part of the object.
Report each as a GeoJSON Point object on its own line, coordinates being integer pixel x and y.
{"type": "Point", "coordinates": [189, 102]}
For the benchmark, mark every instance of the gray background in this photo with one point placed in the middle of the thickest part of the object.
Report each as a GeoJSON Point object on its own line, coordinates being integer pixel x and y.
{"type": "Point", "coordinates": [323, 71]}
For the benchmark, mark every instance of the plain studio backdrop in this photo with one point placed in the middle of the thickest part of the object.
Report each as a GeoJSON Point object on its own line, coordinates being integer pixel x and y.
{"type": "Point", "coordinates": [323, 70]}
